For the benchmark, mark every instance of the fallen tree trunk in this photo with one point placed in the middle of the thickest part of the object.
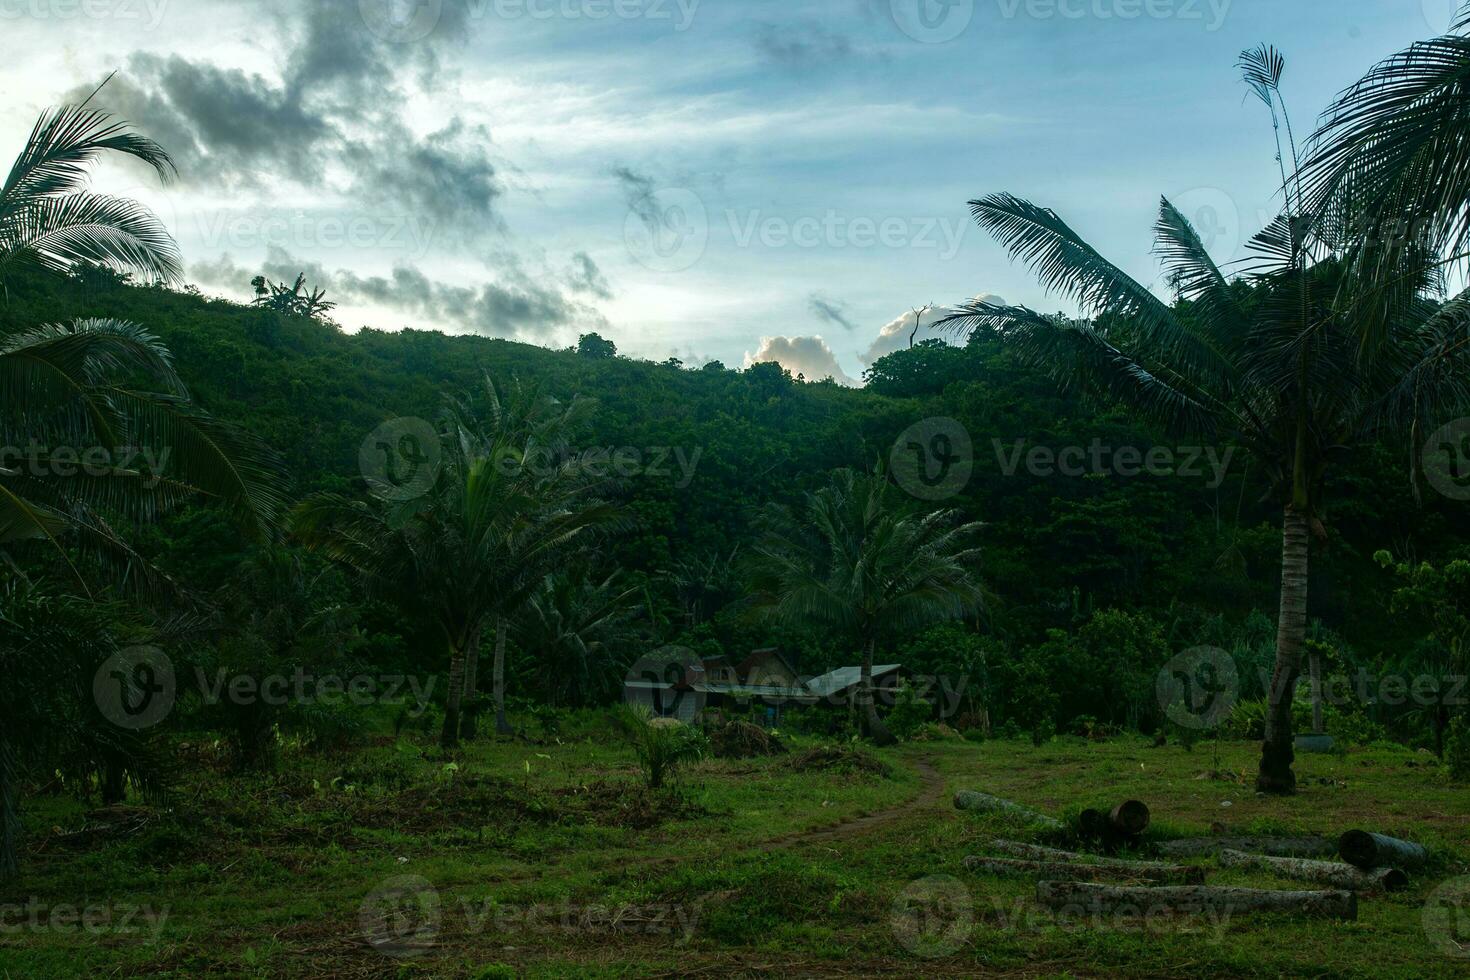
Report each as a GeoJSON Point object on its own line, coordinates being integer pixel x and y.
{"type": "Point", "coordinates": [1366, 850]}
{"type": "Point", "coordinates": [1130, 818]}
{"type": "Point", "coordinates": [1278, 846]}
{"type": "Point", "coordinates": [1036, 852]}
{"type": "Point", "coordinates": [1331, 873]}
{"type": "Point", "coordinates": [985, 803]}
{"type": "Point", "coordinates": [1080, 871]}
{"type": "Point", "coordinates": [1094, 899]}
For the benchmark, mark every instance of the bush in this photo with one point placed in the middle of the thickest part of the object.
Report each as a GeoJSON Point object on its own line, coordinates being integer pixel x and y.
{"type": "Point", "coordinates": [909, 712]}
{"type": "Point", "coordinates": [661, 744]}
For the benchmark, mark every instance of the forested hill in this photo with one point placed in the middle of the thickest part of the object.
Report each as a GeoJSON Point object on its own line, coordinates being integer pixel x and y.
{"type": "Point", "coordinates": [1193, 556]}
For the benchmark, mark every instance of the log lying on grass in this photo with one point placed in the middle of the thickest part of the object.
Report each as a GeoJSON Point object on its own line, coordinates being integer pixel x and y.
{"type": "Point", "coordinates": [1366, 850]}
{"type": "Point", "coordinates": [1331, 873]}
{"type": "Point", "coordinates": [985, 803]}
{"type": "Point", "coordinates": [1129, 818]}
{"type": "Point", "coordinates": [1094, 899]}
{"type": "Point", "coordinates": [1080, 871]}
{"type": "Point", "coordinates": [1278, 846]}
{"type": "Point", "coordinates": [1036, 852]}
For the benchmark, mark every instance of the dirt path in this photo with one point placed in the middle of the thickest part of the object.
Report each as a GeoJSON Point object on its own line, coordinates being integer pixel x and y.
{"type": "Point", "coordinates": [930, 796]}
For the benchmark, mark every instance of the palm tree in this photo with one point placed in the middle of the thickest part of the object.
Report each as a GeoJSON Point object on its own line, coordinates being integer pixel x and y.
{"type": "Point", "coordinates": [859, 562]}
{"type": "Point", "coordinates": [1270, 361]}
{"type": "Point", "coordinates": [571, 625]}
{"type": "Point", "coordinates": [49, 220]}
{"type": "Point", "coordinates": [86, 443]}
{"type": "Point", "coordinates": [502, 511]}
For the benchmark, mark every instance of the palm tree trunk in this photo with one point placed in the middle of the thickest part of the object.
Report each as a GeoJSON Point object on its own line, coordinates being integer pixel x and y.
{"type": "Point", "coordinates": [877, 731]}
{"type": "Point", "coordinates": [502, 727]}
{"type": "Point", "coordinates": [469, 726]}
{"type": "Point", "coordinates": [9, 812]}
{"type": "Point", "coordinates": [449, 737]}
{"type": "Point", "coordinates": [1277, 754]}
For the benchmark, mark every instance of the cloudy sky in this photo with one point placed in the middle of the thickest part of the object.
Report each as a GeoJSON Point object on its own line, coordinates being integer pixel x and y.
{"type": "Point", "coordinates": [730, 179]}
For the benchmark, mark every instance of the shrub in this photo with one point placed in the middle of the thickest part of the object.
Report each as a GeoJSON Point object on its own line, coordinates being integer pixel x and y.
{"type": "Point", "coordinates": [909, 712]}
{"type": "Point", "coordinates": [661, 745]}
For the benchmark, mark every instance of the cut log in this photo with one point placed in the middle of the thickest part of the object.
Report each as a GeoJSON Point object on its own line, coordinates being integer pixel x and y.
{"type": "Point", "coordinates": [1331, 873]}
{"type": "Point", "coordinates": [1079, 871]}
{"type": "Point", "coordinates": [1367, 850]}
{"type": "Point", "coordinates": [1130, 817]}
{"type": "Point", "coordinates": [1036, 852]}
{"type": "Point", "coordinates": [1093, 899]}
{"type": "Point", "coordinates": [1278, 846]}
{"type": "Point", "coordinates": [985, 803]}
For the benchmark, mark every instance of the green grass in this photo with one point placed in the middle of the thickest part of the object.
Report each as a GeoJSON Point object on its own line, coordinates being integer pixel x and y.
{"type": "Point", "coordinates": [545, 860]}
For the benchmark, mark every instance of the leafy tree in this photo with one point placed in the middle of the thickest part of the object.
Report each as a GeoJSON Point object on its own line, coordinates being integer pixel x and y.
{"type": "Point", "coordinates": [572, 625]}
{"type": "Point", "coordinates": [855, 560]}
{"type": "Point", "coordinates": [1278, 369]}
{"type": "Point", "coordinates": [293, 300]}
{"type": "Point", "coordinates": [596, 347]}
{"type": "Point", "coordinates": [502, 511]}
{"type": "Point", "coordinates": [924, 369]}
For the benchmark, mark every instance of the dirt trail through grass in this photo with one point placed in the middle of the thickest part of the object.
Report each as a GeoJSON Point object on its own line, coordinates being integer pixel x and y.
{"type": "Point", "coordinates": [930, 795]}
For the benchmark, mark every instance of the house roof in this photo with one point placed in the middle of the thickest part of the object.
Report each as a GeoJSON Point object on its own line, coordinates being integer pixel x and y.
{"type": "Point", "coordinates": [843, 678]}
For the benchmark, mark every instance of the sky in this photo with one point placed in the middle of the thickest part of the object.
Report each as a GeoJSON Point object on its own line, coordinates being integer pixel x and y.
{"type": "Point", "coordinates": [732, 180]}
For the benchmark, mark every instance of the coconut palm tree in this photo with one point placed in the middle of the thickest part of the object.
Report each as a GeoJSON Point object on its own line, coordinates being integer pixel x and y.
{"type": "Point", "coordinates": [857, 560]}
{"type": "Point", "coordinates": [85, 444]}
{"type": "Point", "coordinates": [500, 514]}
{"type": "Point", "coordinates": [1270, 360]}
{"type": "Point", "coordinates": [571, 625]}
{"type": "Point", "coordinates": [49, 220]}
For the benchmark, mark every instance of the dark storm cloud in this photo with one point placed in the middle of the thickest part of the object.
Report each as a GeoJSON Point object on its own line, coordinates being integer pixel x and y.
{"type": "Point", "coordinates": [831, 311]}
{"type": "Point", "coordinates": [586, 277]}
{"type": "Point", "coordinates": [638, 190]}
{"type": "Point", "coordinates": [447, 174]}
{"type": "Point", "coordinates": [802, 45]}
{"type": "Point", "coordinates": [517, 306]}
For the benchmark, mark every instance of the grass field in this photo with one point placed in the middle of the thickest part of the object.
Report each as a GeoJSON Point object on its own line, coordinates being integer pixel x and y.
{"type": "Point", "coordinates": [517, 859]}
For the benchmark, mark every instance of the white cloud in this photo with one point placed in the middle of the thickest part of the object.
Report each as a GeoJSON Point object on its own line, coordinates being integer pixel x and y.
{"type": "Point", "coordinates": [807, 356]}
{"type": "Point", "coordinates": [896, 332]}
